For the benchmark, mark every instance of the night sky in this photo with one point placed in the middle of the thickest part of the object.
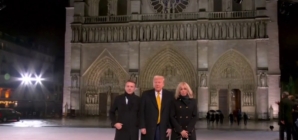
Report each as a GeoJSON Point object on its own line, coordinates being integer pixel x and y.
{"type": "Point", "coordinates": [43, 21]}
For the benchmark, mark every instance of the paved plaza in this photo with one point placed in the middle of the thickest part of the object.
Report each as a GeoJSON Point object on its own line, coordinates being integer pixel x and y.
{"type": "Point", "coordinates": [72, 133]}
{"type": "Point", "coordinates": [105, 123]}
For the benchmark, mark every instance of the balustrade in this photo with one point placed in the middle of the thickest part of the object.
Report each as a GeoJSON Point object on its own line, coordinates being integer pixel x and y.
{"type": "Point", "coordinates": [193, 30]}
{"type": "Point", "coordinates": [171, 16]}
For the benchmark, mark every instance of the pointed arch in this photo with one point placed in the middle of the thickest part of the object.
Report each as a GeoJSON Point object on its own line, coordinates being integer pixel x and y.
{"type": "Point", "coordinates": [105, 63]}
{"type": "Point", "coordinates": [171, 64]}
{"type": "Point", "coordinates": [232, 69]}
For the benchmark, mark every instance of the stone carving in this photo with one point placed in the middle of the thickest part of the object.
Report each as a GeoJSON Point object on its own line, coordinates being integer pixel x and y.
{"type": "Point", "coordinates": [263, 80]}
{"type": "Point", "coordinates": [141, 33]}
{"type": "Point", "coordinates": [182, 32]}
{"type": "Point", "coordinates": [168, 32]}
{"type": "Point", "coordinates": [174, 71]}
{"type": "Point", "coordinates": [121, 34]}
{"type": "Point", "coordinates": [91, 99]}
{"type": "Point", "coordinates": [188, 32]}
{"type": "Point", "coordinates": [135, 78]}
{"type": "Point", "coordinates": [175, 32]}
{"type": "Point", "coordinates": [158, 31]}
{"type": "Point", "coordinates": [233, 71]}
{"type": "Point", "coordinates": [74, 81]}
{"type": "Point", "coordinates": [103, 73]}
{"type": "Point", "coordinates": [169, 6]}
{"type": "Point", "coordinates": [213, 97]}
{"type": "Point", "coordinates": [171, 76]}
{"type": "Point", "coordinates": [148, 32]}
{"type": "Point", "coordinates": [154, 33]}
{"type": "Point", "coordinates": [112, 7]}
{"type": "Point", "coordinates": [203, 80]}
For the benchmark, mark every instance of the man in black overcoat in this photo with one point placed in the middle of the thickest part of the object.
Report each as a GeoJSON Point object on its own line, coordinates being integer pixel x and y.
{"type": "Point", "coordinates": [127, 106]}
{"type": "Point", "coordinates": [285, 116]}
{"type": "Point", "coordinates": [155, 112]}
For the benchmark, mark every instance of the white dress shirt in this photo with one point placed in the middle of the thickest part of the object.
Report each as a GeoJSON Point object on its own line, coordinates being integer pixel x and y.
{"type": "Point", "coordinates": [160, 94]}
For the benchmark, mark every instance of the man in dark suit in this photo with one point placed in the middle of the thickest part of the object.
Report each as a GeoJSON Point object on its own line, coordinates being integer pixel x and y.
{"type": "Point", "coordinates": [155, 111]}
{"type": "Point", "coordinates": [285, 116]}
{"type": "Point", "coordinates": [127, 106]}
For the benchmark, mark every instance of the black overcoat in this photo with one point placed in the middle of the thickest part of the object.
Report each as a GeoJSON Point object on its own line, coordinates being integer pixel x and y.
{"type": "Point", "coordinates": [183, 117]}
{"type": "Point", "coordinates": [129, 117]}
{"type": "Point", "coordinates": [149, 113]}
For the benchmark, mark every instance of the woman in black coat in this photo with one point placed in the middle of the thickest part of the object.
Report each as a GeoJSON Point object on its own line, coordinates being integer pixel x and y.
{"type": "Point", "coordinates": [183, 113]}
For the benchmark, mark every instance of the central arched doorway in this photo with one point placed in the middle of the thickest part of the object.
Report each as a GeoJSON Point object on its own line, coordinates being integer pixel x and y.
{"type": "Point", "coordinates": [232, 84]}
{"type": "Point", "coordinates": [173, 66]}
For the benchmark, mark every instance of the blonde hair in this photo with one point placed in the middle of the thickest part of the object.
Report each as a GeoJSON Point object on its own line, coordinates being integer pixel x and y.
{"type": "Point", "coordinates": [189, 91]}
{"type": "Point", "coordinates": [158, 77]}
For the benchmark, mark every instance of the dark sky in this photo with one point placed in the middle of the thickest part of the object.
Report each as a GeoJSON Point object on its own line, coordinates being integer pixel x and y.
{"type": "Point", "coordinates": [44, 22]}
{"type": "Point", "coordinates": [41, 20]}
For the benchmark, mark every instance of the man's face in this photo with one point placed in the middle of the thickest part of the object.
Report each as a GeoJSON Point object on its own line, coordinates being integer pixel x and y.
{"type": "Point", "coordinates": [130, 87]}
{"type": "Point", "coordinates": [158, 84]}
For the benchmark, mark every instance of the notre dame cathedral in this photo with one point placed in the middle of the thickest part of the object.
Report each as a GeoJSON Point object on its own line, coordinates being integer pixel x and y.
{"type": "Point", "coordinates": [227, 50]}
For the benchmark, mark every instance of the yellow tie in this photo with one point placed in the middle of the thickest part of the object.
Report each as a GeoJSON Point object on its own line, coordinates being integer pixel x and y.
{"type": "Point", "coordinates": [159, 106]}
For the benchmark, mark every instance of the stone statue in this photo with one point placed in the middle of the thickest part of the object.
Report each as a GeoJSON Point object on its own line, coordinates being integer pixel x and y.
{"type": "Point", "coordinates": [175, 34]}
{"type": "Point", "coordinates": [128, 33]}
{"type": "Point", "coordinates": [141, 33]}
{"type": "Point", "coordinates": [263, 80]}
{"type": "Point", "coordinates": [134, 33]}
{"type": "Point", "coordinates": [115, 36]}
{"type": "Point", "coordinates": [75, 81]}
{"type": "Point", "coordinates": [154, 32]}
{"type": "Point", "coordinates": [270, 112]}
{"type": "Point", "coordinates": [182, 32]}
{"type": "Point", "coordinates": [134, 77]}
{"type": "Point", "coordinates": [168, 32]}
{"type": "Point", "coordinates": [161, 32]}
{"type": "Point", "coordinates": [148, 32]}
{"type": "Point", "coordinates": [203, 80]}
{"type": "Point", "coordinates": [121, 34]}
{"type": "Point", "coordinates": [188, 31]}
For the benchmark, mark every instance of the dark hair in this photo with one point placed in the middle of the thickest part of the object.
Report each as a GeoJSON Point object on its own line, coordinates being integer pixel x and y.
{"type": "Point", "coordinates": [130, 81]}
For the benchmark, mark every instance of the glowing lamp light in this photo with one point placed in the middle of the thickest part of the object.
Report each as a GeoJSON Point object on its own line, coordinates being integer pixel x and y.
{"type": "Point", "coordinates": [27, 79]}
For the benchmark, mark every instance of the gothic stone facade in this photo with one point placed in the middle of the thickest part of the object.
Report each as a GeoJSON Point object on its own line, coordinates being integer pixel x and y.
{"type": "Point", "coordinates": [211, 47]}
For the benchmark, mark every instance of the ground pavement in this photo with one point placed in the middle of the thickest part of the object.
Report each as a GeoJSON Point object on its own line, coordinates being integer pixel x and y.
{"type": "Point", "coordinates": [105, 123]}
{"type": "Point", "coordinates": [74, 133]}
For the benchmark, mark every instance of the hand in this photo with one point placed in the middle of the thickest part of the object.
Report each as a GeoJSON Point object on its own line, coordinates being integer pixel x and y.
{"type": "Point", "coordinates": [184, 134]}
{"type": "Point", "coordinates": [118, 126]}
{"type": "Point", "coordinates": [169, 131]}
{"type": "Point", "coordinates": [143, 131]}
{"type": "Point", "coordinates": [282, 122]}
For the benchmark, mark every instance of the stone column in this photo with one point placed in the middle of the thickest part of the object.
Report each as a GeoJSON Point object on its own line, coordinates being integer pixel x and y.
{"type": "Point", "coordinates": [203, 101]}
{"type": "Point", "coordinates": [273, 57]}
{"type": "Point", "coordinates": [67, 60]}
{"type": "Point", "coordinates": [134, 63]}
{"type": "Point", "coordinates": [203, 90]}
{"type": "Point", "coordinates": [210, 5]}
{"type": "Point", "coordinates": [262, 102]}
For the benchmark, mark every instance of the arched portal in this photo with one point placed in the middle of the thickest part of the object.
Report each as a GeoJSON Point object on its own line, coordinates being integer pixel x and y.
{"type": "Point", "coordinates": [232, 72]}
{"type": "Point", "coordinates": [171, 64]}
{"type": "Point", "coordinates": [104, 80]}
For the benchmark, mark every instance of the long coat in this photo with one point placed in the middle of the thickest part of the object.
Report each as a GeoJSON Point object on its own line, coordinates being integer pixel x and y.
{"type": "Point", "coordinates": [183, 117]}
{"type": "Point", "coordinates": [129, 117]}
{"type": "Point", "coordinates": [285, 110]}
{"type": "Point", "coordinates": [149, 113]}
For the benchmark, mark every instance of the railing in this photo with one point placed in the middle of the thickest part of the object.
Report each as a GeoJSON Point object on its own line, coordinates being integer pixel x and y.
{"type": "Point", "coordinates": [237, 14]}
{"type": "Point", "coordinates": [165, 17]}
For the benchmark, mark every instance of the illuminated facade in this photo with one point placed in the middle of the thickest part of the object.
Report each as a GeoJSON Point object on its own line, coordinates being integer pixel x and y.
{"type": "Point", "coordinates": [18, 58]}
{"type": "Point", "coordinates": [227, 51]}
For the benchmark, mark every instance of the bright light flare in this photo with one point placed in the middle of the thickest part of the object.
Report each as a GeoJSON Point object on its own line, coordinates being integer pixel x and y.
{"type": "Point", "coordinates": [28, 79]}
